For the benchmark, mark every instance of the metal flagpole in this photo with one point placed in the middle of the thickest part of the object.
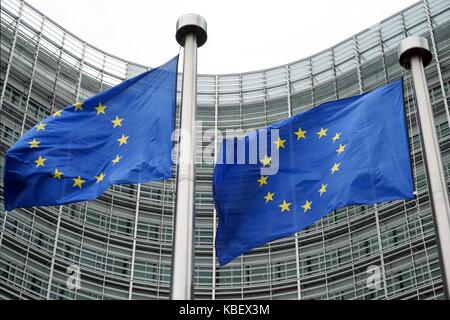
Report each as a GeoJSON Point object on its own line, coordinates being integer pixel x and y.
{"type": "Point", "coordinates": [414, 54]}
{"type": "Point", "coordinates": [191, 33]}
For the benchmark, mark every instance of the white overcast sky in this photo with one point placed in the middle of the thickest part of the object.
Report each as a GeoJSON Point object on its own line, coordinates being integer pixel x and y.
{"type": "Point", "coordinates": [242, 35]}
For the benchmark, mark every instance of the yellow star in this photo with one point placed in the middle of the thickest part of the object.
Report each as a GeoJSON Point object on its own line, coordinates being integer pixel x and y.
{"type": "Point", "coordinates": [117, 122]}
{"type": "Point", "coordinates": [322, 132]}
{"type": "Point", "coordinates": [41, 126]}
{"type": "Point", "coordinates": [323, 189]}
{"type": "Point", "coordinates": [78, 106]}
{"type": "Point", "coordinates": [57, 174]}
{"type": "Point", "coordinates": [78, 182]}
{"type": "Point", "coordinates": [341, 149]}
{"type": "Point", "coordinates": [100, 177]}
{"type": "Point", "coordinates": [279, 143]}
{"type": "Point", "coordinates": [284, 206]}
{"type": "Point", "coordinates": [335, 168]}
{"type": "Point", "coordinates": [100, 109]}
{"type": "Point", "coordinates": [116, 159]}
{"type": "Point", "coordinates": [300, 134]}
{"type": "Point", "coordinates": [337, 136]}
{"type": "Point", "coordinates": [307, 206]}
{"type": "Point", "coordinates": [262, 180]}
{"type": "Point", "coordinates": [34, 143]}
{"type": "Point", "coordinates": [40, 162]}
{"type": "Point", "coordinates": [57, 113]}
{"type": "Point", "coordinates": [123, 140]}
{"type": "Point", "coordinates": [269, 196]}
{"type": "Point", "coordinates": [266, 161]}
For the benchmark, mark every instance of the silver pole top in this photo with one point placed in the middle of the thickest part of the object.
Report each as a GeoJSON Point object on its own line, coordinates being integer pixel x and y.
{"type": "Point", "coordinates": [191, 23]}
{"type": "Point", "coordinates": [413, 46]}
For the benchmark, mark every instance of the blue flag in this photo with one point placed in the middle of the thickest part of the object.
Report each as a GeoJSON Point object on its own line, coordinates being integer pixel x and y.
{"type": "Point", "coordinates": [341, 153]}
{"type": "Point", "coordinates": [122, 135]}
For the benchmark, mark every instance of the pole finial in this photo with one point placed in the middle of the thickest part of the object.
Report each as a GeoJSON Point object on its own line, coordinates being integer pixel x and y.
{"type": "Point", "coordinates": [191, 23]}
{"type": "Point", "coordinates": [413, 46]}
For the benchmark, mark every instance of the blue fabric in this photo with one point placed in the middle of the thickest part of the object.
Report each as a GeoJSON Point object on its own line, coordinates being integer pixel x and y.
{"type": "Point", "coordinates": [374, 166]}
{"type": "Point", "coordinates": [82, 141]}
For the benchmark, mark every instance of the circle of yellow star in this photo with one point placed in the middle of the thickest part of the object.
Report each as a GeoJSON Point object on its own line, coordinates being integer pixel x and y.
{"type": "Point", "coordinates": [99, 177]}
{"type": "Point", "coordinates": [300, 134]}
{"type": "Point", "coordinates": [341, 149]}
{"type": "Point", "coordinates": [100, 109]}
{"type": "Point", "coordinates": [78, 106]}
{"type": "Point", "coordinates": [123, 140]}
{"type": "Point", "coordinates": [284, 206]}
{"type": "Point", "coordinates": [322, 132]}
{"type": "Point", "coordinates": [40, 161]}
{"type": "Point", "coordinates": [307, 206]}
{"type": "Point", "coordinates": [335, 168]}
{"type": "Point", "coordinates": [57, 174]}
{"type": "Point", "coordinates": [262, 180]}
{"type": "Point", "coordinates": [78, 182]}
{"type": "Point", "coordinates": [34, 143]}
{"type": "Point", "coordinates": [117, 122]}
{"type": "Point", "coordinates": [323, 189]}
{"type": "Point", "coordinates": [337, 136]}
{"type": "Point", "coordinates": [41, 126]}
{"type": "Point", "coordinates": [269, 196]}
{"type": "Point", "coordinates": [266, 161]}
{"type": "Point", "coordinates": [57, 113]}
{"type": "Point", "coordinates": [279, 143]}
{"type": "Point", "coordinates": [116, 159]}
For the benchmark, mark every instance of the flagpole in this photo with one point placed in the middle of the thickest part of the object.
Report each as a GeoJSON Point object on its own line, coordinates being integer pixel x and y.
{"type": "Point", "coordinates": [191, 34]}
{"type": "Point", "coordinates": [414, 54]}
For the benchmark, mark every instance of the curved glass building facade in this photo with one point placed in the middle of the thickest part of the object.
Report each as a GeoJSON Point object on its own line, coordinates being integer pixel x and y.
{"type": "Point", "coordinates": [121, 243]}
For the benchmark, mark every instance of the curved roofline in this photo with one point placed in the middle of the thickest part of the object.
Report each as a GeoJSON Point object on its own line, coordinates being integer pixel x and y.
{"type": "Point", "coordinates": [234, 73]}
{"type": "Point", "coordinates": [320, 52]}
{"type": "Point", "coordinates": [81, 40]}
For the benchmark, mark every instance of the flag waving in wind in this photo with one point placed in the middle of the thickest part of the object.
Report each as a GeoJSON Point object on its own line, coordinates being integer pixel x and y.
{"type": "Point", "coordinates": [345, 152]}
{"type": "Point", "coordinates": [122, 135]}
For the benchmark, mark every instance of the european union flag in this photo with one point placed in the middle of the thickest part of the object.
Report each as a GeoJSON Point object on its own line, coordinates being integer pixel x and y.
{"type": "Point", "coordinates": [122, 135]}
{"type": "Point", "coordinates": [341, 153]}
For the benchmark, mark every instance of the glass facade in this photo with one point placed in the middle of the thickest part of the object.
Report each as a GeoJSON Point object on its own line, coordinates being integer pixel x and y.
{"type": "Point", "coordinates": [122, 242]}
